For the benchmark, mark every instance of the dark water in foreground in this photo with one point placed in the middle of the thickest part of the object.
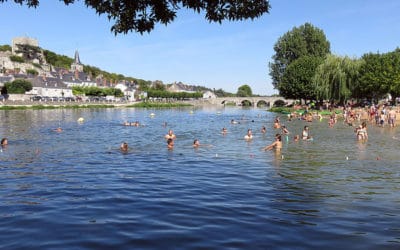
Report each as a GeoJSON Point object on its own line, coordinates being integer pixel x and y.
{"type": "Point", "coordinates": [76, 190]}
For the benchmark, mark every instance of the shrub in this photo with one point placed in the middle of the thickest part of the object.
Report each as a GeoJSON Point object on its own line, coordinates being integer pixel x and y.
{"type": "Point", "coordinates": [19, 86]}
{"type": "Point", "coordinates": [17, 59]}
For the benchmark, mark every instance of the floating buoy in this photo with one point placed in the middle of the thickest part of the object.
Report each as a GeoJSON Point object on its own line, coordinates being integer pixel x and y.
{"type": "Point", "coordinates": [81, 119]}
{"type": "Point", "coordinates": [191, 112]}
{"type": "Point", "coordinates": [152, 114]}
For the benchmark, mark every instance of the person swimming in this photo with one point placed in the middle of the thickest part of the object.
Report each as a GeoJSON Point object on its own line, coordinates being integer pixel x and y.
{"type": "Point", "coordinates": [263, 130]}
{"type": "Point", "coordinates": [124, 147]}
{"type": "Point", "coordinates": [249, 135]}
{"type": "Point", "coordinates": [170, 143]}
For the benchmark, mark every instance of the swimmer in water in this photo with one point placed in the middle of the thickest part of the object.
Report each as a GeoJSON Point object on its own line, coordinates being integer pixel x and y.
{"type": "Point", "coordinates": [124, 147]}
{"type": "Point", "coordinates": [4, 142]}
{"type": "Point", "coordinates": [59, 130]}
{"type": "Point", "coordinates": [305, 133]}
{"type": "Point", "coordinates": [249, 135]}
{"type": "Point", "coordinates": [170, 135]}
{"type": "Point", "coordinates": [263, 130]}
{"type": "Point", "coordinates": [277, 123]}
{"type": "Point", "coordinates": [277, 144]}
{"type": "Point", "coordinates": [196, 144]}
{"type": "Point", "coordinates": [224, 131]}
{"type": "Point", "coordinates": [170, 144]}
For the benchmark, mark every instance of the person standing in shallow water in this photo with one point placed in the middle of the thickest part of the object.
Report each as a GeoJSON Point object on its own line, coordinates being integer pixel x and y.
{"type": "Point", "coordinates": [249, 135]}
{"type": "Point", "coordinates": [277, 144]}
{"type": "Point", "coordinates": [170, 135]}
{"type": "Point", "coordinates": [305, 134]}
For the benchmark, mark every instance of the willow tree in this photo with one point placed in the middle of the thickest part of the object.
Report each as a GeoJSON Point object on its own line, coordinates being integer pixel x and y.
{"type": "Point", "coordinates": [142, 15]}
{"type": "Point", "coordinates": [336, 78]}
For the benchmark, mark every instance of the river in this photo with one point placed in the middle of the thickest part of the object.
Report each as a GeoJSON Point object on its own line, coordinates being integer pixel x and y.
{"type": "Point", "coordinates": [76, 190]}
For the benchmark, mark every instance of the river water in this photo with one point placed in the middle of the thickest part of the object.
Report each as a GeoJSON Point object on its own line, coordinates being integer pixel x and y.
{"type": "Point", "coordinates": [77, 190]}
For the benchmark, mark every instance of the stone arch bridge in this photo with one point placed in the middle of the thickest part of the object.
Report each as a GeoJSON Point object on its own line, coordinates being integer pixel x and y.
{"type": "Point", "coordinates": [267, 101]}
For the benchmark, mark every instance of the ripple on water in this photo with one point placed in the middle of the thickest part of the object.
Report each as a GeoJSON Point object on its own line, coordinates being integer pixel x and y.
{"type": "Point", "coordinates": [75, 189]}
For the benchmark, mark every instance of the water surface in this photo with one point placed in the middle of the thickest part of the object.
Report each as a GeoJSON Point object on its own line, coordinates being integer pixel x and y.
{"type": "Point", "coordinates": [76, 190]}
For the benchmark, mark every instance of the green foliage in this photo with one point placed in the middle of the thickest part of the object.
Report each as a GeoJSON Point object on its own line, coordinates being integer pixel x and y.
{"type": "Point", "coordinates": [142, 16]}
{"type": "Point", "coordinates": [153, 93]}
{"type": "Point", "coordinates": [336, 79]}
{"type": "Point", "coordinates": [244, 91]}
{"type": "Point", "coordinates": [18, 59]}
{"type": "Point", "coordinates": [57, 60]}
{"type": "Point", "coordinates": [29, 52]}
{"type": "Point", "coordinates": [222, 93]}
{"type": "Point", "coordinates": [305, 40]}
{"type": "Point", "coordinates": [19, 86]}
{"type": "Point", "coordinates": [37, 65]}
{"type": "Point", "coordinates": [5, 48]}
{"type": "Point", "coordinates": [32, 72]}
{"type": "Point", "coordinates": [380, 74]}
{"type": "Point", "coordinates": [96, 91]}
{"type": "Point", "coordinates": [297, 80]}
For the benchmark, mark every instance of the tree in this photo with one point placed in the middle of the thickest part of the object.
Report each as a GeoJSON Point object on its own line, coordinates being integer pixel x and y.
{"type": "Point", "coordinates": [297, 80]}
{"type": "Point", "coordinates": [142, 15]}
{"type": "Point", "coordinates": [5, 48]}
{"type": "Point", "coordinates": [19, 86]}
{"type": "Point", "coordinates": [380, 75]}
{"type": "Point", "coordinates": [244, 91]}
{"type": "Point", "coordinates": [305, 40]}
{"type": "Point", "coordinates": [336, 79]}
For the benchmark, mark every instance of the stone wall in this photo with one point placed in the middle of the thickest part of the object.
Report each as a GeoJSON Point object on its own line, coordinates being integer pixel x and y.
{"type": "Point", "coordinates": [23, 40]}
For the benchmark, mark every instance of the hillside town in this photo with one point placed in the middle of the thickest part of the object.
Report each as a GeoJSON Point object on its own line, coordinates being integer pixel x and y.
{"type": "Point", "coordinates": [50, 83]}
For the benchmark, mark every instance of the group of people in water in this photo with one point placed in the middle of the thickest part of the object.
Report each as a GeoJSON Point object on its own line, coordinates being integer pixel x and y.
{"type": "Point", "coordinates": [350, 117]}
{"type": "Point", "coordinates": [275, 145]}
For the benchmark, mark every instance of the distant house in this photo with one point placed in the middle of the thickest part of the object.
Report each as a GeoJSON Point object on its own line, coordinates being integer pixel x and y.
{"type": "Point", "coordinates": [209, 95]}
{"type": "Point", "coordinates": [49, 86]}
{"type": "Point", "coordinates": [128, 90]}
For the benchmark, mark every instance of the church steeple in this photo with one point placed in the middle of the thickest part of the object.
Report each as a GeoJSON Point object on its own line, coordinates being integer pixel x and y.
{"type": "Point", "coordinates": [76, 64]}
{"type": "Point", "coordinates": [77, 60]}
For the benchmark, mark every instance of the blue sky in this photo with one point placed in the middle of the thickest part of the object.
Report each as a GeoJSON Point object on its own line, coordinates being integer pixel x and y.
{"type": "Point", "coordinates": [194, 51]}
